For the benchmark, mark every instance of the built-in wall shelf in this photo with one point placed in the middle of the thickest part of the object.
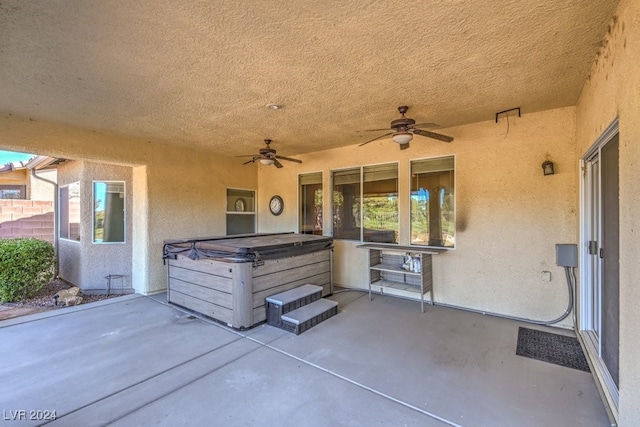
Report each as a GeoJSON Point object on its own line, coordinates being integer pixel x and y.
{"type": "Point", "coordinates": [391, 274]}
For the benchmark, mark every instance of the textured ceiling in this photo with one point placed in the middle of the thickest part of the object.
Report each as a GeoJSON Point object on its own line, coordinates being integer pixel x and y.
{"type": "Point", "coordinates": [202, 73]}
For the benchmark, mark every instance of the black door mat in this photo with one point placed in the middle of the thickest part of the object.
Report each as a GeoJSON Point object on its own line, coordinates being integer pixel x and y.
{"type": "Point", "coordinates": [553, 348]}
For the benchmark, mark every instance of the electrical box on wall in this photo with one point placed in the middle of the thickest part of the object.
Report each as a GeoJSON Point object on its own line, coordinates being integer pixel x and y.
{"type": "Point", "coordinates": [567, 255]}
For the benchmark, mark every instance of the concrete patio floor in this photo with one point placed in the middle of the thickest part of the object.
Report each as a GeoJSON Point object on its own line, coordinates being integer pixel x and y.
{"type": "Point", "coordinates": [135, 361]}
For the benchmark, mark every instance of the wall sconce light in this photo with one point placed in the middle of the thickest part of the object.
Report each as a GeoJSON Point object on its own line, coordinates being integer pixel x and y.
{"type": "Point", "coordinates": [547, 167]}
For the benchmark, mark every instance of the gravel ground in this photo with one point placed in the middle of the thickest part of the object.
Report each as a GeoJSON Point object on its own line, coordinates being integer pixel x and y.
{"type": "Point", "coordinates": [43, 300]}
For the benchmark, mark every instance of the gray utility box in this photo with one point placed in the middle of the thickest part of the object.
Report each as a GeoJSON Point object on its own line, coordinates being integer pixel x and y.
{"type": "Point", "coordinates": [567, 254]}
{"type": "Point", "coordinates": [228, 278]}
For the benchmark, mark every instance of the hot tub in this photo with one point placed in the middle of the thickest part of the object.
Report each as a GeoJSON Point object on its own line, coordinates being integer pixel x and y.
{"type": "Point", "coordinates": [228, 278]}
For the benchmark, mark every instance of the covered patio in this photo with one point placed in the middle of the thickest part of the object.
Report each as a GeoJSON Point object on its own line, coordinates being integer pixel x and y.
{"type": "Point", "coordinates": [138, 361]}
{"type": "Point", "coordinates": [170, 106]}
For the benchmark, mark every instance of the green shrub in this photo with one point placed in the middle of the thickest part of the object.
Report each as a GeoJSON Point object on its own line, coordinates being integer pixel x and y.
{"type": "Point", "coordinates": [26, 265]}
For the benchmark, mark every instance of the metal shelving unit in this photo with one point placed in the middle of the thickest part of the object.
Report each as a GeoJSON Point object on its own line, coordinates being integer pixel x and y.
{"type": "Point", "coordinates": [387, 276]}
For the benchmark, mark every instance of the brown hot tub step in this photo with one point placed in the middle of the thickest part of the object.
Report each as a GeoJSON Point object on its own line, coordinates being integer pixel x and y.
{"type": "Point", "coordinates": [284, 302]}
{"type": "Point", "coordinates": [303, 318]}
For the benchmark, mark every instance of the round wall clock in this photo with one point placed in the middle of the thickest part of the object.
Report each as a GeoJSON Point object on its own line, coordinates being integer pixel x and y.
{"type": "Point", "coordinates": [276, 205]}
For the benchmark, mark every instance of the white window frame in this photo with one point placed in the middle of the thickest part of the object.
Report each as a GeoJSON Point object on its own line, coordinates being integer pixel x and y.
{"type": "Point", "coordinates": [361, 195]}
{"type": "Point", "coordinates": [67, 226]}
{"type": "Point", "coordinates": [455, 200]}
{"type": "Point", "coordinates": [93, 211]}
{"type": "Point", "coordinates": [253, 212]}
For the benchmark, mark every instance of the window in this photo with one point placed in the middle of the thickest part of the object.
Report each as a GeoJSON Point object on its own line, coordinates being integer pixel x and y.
{"type": "Point", "coordinates": [365, 204]}
{"type": "Point", "coordinates": [69, 227]}
{"type": "Point", "coordinates": [310, 215]}
{"type": "Point", "coordinates": [12, 192]}
{"type": "Point", "coordinates": [380, 203]}
{"type": "Point", "coordinates": [241, 211]}
{"type": "Point", "coordinates": [346, 204]}
{"type": "Point", "coordinates": [432, 202]}
{"type": "Point", "coordinates": [108, 212]}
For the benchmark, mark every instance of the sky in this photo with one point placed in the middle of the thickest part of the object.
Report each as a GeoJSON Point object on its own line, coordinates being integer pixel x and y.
{"type": "Point", "coordinates": [10, 156]}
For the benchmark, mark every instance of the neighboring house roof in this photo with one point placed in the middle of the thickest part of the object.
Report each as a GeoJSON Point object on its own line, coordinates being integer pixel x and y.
{"type": "Point", "coordinates": [36, 162]}
{"type": "Point", "coordinates": [13, 166]}
{"type": "Point", "coordinates": [44, 162]}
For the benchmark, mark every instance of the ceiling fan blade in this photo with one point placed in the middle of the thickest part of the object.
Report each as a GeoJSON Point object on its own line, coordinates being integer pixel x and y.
{"type": "Point", "coordinates": [246, 155]}
{"type": "Point", "coordinates": [288, 159]}
{"type": "Point", "coordinates": [404, 146]}
{"type": "Point", "coordinates": [433, 135]}
{"type": "Point", "coordinates": [250, 161]}
{"type": "Point", "coordinates": [277, 163]}
{"type": "Point", "coordinates": [375, 139]}
{"type": "Point", "coordinates": [373, 130]}
{"type": "Point", "coordinates": [426, 125]}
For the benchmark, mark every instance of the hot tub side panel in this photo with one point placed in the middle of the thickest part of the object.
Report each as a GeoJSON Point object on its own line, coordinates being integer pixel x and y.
{"type": "Point", "coordinates": [204, 286]}
{"type": "Point", "coordinates": [242, 289]}
{"type": "Point", "coordinates": [234, 293]}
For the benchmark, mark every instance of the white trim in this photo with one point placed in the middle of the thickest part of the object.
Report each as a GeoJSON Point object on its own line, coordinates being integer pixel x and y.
{"type": "Point", "coordinates": [585, 219]}
{"type": "Point", "coordinates": [60, 187]}
{"type": "Point", "coordinates": [93, 211]}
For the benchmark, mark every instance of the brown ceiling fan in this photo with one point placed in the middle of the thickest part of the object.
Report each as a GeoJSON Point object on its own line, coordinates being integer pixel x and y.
{"type": "Point", "coordinates": [267, 156]}
{"type": "Point", "coordinates": [403, 129]}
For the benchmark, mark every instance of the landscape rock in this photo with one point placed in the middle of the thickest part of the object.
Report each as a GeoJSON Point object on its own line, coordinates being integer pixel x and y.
{"type": "Point", "coordinates": [68, 297]}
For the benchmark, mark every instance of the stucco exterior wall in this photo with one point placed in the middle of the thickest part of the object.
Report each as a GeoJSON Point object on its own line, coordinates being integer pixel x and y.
{"type": "Point", "coordinates": [98, 260]}
{"type": "Point", "coordinates": [42, 190]}
{"type": "Point", "coordinates": [613, 89]}
{"type": "Point", "coordinates": [509, 215]}
{"type": "Point", "coordinates": [70, 251]}
{"type": "Point", "coordinates": [177, 191]}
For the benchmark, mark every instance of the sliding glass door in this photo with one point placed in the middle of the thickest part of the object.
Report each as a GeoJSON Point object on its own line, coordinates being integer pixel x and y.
{"type": "Point", "coordinates": [600, 297]}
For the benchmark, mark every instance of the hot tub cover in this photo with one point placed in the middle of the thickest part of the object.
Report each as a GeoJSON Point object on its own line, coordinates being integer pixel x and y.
{"type": "Point", "coordinates": [247, 247]}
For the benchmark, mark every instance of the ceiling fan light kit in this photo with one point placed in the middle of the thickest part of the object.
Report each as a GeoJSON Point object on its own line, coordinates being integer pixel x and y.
{"type": "Point", "coordinates": [267, 161]}
{"type": "Point", "coordinates": [402, 137]}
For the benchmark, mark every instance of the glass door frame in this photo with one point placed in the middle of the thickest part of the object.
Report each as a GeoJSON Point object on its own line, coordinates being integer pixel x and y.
{"type": "Point", "coordinates": [590, 289]}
